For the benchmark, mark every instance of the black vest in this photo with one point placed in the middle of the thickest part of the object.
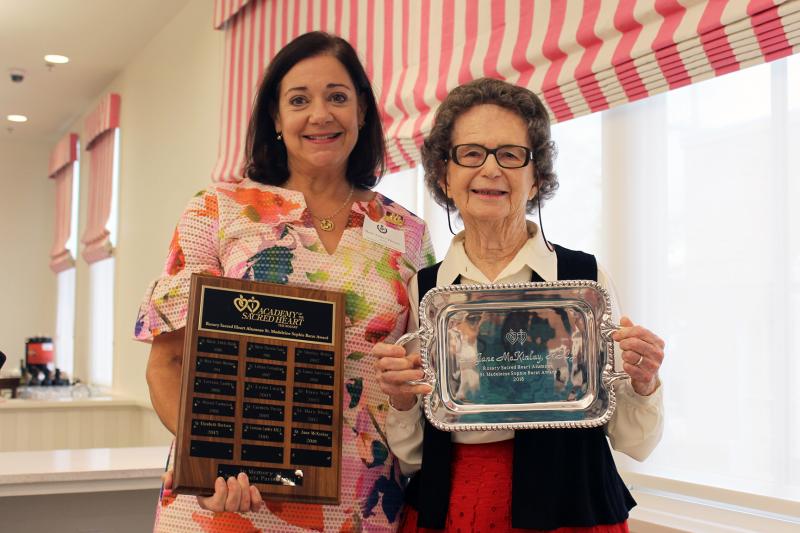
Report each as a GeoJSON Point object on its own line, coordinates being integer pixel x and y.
{"type": "Point", "coordinates": [577, 485]}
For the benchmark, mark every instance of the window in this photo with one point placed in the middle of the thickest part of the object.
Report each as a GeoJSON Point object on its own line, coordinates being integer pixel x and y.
{"type": "Point", "coordinates": [72, 241]}
{"type": "Point", "coordinates": [65, 321]}
{"type": "Point", "coordinates": [688, 199]}
{"type": "Point", "coordinates": [101, 293]}
{"type": "Point", "coordinates": [573, 217]}
{"type": "Point", "coordinates": [101, 302]}
{"type": "Point", "coordinates": [727, 296]}
{"type": "Point", "coordinates": [65, 282]}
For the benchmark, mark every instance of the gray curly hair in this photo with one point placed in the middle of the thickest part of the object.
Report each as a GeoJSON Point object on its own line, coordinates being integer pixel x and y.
{"type": "Point", "coordinates": [436, 148]}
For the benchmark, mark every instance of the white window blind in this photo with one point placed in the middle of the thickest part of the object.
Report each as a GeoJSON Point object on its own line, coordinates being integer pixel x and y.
{"type": "Point", "coordinates": [727, 296]}
{"type": "Point", "coordinates": [72, 241]}
{"type": "Point", "coordinates": [65, 281]}
{"type": "Point", "coordinates": [101, 345]}
{"type": "Point", "coordinates": [572, 218]}
{"type": "Point", "coordinates": [65, 321]}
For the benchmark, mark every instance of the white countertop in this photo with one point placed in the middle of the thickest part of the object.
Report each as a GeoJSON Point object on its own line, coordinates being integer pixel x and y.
{"type": "Point", "coordinates": [66, 403]}
{"type": "Point", "coordinates": [87, 470]}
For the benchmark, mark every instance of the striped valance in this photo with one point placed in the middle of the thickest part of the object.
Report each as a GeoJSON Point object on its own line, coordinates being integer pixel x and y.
{"type": "Point", "coordinates": [224, 10]}
{"type": "Point", "coordinates": [100, 142]}
{"type": "Point", "coordinates": [580, 57]}
{"type": "Point", "coordinates": [61, 172]}
{"type": "Point", "coordinates": [104, 117]}
{"type": "Point", "coordinates": [64, 153]}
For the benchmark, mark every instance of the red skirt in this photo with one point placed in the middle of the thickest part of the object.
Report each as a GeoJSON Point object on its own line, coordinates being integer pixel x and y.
{"type": "Point", "coordinates": [480, 494]}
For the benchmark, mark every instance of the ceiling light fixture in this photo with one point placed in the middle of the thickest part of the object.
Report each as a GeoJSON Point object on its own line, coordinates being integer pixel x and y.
{"type": "Point", "coordinates": [17, 118]}
{"type": "Point", "coordinates": [56, 59]}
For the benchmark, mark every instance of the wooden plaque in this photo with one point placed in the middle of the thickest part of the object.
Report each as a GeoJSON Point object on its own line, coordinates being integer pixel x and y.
{"type": "Point", "coordinates": [261, 390]}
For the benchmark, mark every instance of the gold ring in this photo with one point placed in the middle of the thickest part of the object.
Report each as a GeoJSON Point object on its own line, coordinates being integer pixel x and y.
{"type": "Point", "coordinates": [639, 362]}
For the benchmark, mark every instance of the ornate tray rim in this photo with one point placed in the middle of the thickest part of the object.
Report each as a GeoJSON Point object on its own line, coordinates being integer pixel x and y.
{"type": "Point", "coordinates": [605, 325]}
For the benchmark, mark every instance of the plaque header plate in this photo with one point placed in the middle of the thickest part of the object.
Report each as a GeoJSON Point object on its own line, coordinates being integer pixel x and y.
{"type": "Point", "coordinates": [266, 315]}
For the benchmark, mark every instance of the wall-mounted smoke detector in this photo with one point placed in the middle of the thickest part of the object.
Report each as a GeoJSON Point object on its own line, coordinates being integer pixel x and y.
{"type": "Point", "coordinates": [16, 75]}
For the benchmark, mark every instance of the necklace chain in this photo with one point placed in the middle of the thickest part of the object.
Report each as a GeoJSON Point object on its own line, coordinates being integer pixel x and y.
{"type": "Point", "coordinates": [326, 223]}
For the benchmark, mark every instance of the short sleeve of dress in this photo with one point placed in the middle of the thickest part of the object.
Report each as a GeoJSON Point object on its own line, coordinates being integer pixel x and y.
{"type": "Point", "coordinates": [194, 249]}
{"type": "Point", "coordinates": [427, 255]}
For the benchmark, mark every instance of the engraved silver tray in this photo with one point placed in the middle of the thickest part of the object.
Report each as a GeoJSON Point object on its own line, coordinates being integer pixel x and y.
{"type": "Point", "coordinates": [517, 356]}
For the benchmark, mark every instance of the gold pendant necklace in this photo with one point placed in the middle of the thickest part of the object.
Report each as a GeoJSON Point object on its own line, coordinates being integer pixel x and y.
{"type": "Point", "coordinates": [326, 223]}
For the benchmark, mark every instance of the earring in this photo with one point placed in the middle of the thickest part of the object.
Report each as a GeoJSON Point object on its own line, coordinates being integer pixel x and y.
{"type": "Point", "coordinates": [279, 136]}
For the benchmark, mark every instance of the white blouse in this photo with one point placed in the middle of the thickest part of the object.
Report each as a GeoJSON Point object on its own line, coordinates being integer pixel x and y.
{"type": "Point", "coordinates": [637, 423]}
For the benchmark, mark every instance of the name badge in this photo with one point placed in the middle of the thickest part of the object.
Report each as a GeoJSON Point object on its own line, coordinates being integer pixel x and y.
{"type": "Point", "coordinates": [380, 233]}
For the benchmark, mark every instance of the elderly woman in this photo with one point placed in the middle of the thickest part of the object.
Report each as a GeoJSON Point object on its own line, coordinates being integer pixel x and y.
{"type": "Point", "coordinates": [490, 157]}
{"type": "Point", "coordinates": [315, 144]}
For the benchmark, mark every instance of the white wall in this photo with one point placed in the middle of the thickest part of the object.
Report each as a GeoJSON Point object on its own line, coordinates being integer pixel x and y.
{"type": "Point", "coordinates": [168, 144]}
{"type": "Point", "coordinates": [27, 286]}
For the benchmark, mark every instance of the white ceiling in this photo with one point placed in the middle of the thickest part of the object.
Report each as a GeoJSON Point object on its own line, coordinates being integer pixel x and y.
{"type": "Point", "coordinates": [99, 36]}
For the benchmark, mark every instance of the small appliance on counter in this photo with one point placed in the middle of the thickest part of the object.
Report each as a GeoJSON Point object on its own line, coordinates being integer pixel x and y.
{"type": "Point", "coordinates": [37, 377]}
{"type": "Point", "coordinates": [39, 368]}
{"type": "Point", "coordinates": [39, 351]}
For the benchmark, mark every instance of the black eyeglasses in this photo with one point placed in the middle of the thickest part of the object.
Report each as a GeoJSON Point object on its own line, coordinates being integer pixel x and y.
{"type": "Point", "coordinates": [507, 156]}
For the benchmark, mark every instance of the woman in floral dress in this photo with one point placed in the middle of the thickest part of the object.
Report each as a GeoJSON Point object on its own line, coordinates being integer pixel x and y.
{"type": "Point", "coordinates": [299, 217]}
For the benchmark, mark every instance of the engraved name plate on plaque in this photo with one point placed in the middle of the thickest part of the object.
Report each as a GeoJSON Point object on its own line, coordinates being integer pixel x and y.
{"type": "Point", "coordinates": [261, 389]}
{"type": "Point", "coordinates": [517, 356]}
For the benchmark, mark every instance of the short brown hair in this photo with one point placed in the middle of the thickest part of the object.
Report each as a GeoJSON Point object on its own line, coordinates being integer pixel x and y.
{"type": "Point", "coordinates": [436, 149]}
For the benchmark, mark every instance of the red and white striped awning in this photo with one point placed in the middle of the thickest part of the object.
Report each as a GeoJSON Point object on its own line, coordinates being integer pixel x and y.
{"type": "Point", "coordinates": [60, 169]}
{"type": "Point", "coordinates": [579, 56]}
{"type": "Point", "coordinates": [99, 135]}
{"type": "Point", "coordinates": [224, 10]}
{"type": "Point", "coordinates": [64, 153]}
{"type": "Point", "coordinates": [104, 117]}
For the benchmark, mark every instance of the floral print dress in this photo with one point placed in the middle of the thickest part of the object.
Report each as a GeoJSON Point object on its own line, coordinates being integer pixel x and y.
{"type": "Point", "coordinates": [253, 231]}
